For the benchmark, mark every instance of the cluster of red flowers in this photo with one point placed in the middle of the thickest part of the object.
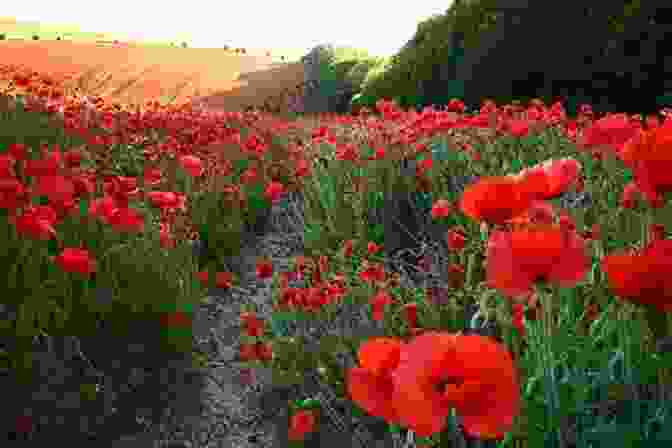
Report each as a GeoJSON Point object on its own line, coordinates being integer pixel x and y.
{"type": "Point", "coordinates": [417, 383]}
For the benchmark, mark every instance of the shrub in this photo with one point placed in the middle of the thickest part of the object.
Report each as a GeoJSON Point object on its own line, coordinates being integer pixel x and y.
{"type": "Point", "coordinates": [3, 36]}
{"type": "Point", "coordinates": [36, 37]}
{"type": "Point", "coordinates": [613, 46]}
{"type": "Point", "coordinates": [184, 45]}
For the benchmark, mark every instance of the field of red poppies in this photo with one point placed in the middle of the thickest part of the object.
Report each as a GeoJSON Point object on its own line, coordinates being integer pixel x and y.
{"type": "Point", "coordinates": [559, 238]}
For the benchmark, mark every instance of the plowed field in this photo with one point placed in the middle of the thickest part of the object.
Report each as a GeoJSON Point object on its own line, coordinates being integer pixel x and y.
{"type": "Point", "coordinates": [225, 80]}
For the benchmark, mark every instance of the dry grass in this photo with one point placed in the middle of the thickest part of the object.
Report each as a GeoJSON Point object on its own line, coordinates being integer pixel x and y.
{"type": "Point", "coordinates": [139, 73]}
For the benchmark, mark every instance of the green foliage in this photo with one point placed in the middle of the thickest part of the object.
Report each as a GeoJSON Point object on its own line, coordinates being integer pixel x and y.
{"type": "Point", "coordinates": [343, 71]}
{"type": "Point", "coordinates": [420, 61]}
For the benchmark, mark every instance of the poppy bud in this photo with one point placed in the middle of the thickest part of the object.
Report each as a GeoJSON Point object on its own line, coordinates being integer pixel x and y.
{"type": "Point", "coordinates": [264, 269]}
{"type": "Point", "coordinates": [411, 314]}
{"type": "Point", "coordinates": [372, 248]}
{"type": "Point", "coordinates": [656, 232]}
{"type": "Point", "coordinates": [302, 423]}
{"type": "Point", "coordinates": [252, 324]}
{"type": "Point", "coordinates": [455, 240]}
{"type": "Point", "coordinates": [247, 352]}
{"type": "Point", "coordinates": [347, 248]}
{"type": "Point", "coordinates": [440, 209]}
{"type": "Point", "coordinates": [628, 196]}
{"type": "Point", "coordinates": [75, 260]}
{"type": "Point", "coordinates": [264, 351]}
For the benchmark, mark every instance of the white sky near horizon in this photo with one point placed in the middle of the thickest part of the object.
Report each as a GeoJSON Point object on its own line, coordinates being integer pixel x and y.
{"type": "Point", "coordinates": [380, 27]}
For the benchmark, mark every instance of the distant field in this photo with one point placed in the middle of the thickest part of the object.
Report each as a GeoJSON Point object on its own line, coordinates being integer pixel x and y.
{"type": "Point", "coordinates": [24, 30]}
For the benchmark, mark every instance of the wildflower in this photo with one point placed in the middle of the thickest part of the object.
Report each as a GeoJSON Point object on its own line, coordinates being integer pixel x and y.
{"type": "Point", "coordinates": [649, 157]}
{"type": "Point", "coordinates": [192, 165]}
{"type": "Point", "coordinates": [441, 208]}
{"type": "Point", "coordinates": [644, 276]}
{"type": "Point", "coordinates": [302, 423]}
{"type": "Point", "coordinates": [495, 200]}
{"type": "Point", "coordinates": [75, 260]}
{"type": "Point", "coordinates": [370, 385]}
{"type": "Point", "coordinates": [516, 260]}
{"type": "Point", "coordinates": [455, 239]}
{"type": "Point", "coordinates": [473, 374]}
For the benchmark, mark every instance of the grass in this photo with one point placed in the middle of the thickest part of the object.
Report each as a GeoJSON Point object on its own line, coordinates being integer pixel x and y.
{"type": "Point", "coordinates": [562, 375]}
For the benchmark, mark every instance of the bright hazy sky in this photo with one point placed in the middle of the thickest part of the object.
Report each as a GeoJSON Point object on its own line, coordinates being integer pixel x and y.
{"type": "Point", "coordinates": [379, 26]}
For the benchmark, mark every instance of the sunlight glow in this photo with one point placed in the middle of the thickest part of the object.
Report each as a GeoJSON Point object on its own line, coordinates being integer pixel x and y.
{"type": "Point", "coordinates": [381, 27]}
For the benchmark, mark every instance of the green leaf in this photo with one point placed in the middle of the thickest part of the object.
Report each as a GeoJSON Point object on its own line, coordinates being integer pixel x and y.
{"type": "Point", "coordinates": [516, 165]}
{"type": "Point", "coordinates": [309, 403]}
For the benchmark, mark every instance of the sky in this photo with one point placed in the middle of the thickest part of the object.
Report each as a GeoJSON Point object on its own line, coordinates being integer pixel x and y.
{"type": "Point", "coordinates": [381, 27]}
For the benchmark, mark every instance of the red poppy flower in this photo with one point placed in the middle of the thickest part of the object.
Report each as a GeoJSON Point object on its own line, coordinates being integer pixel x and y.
{"type": "Point", "coordinates": [247, 352]}
{"type": "Point", "coordinates": [372, 272]}
{"type": "Point", "coordinates": [126, 219]}
{"type": "Point", "coordinates": [649, 157]}
{"type": "Point", "coordinates": [551, 178]}
{"type": "Point", "coordinates": [410, 311]}
{"type": "Point", "coordinates": [166, 239]}
{"type": "Point", "coordinates": [192, 165]}
{"type": "Point", "coordinates": [348, 248]}
{"type": "Point", "coordinates": [612, 131]}
{"type": "Point", "coordinates": [37, 222]}
{"type": "Point", "coordinates": [455, 239]}
{"type": "Point", "coordinates": [516, 260]}
{"type": "Point", "coordinates": [222, 279]}
{"type": "Point", "coordinates": [302, 423]}
{"type": "Point", "coordinates": [264, 351]}
{"type": "Point", "coordinates": [643, 277]}
{"type": "Point", "coordinates": [175, 319]}
{"type": "Point", "coordinates": [55, 187]}
{"type": "Point", "coordinates": [474, 374]}
{"type": "Point", "coordinates": [264, 269]}
{"type": "Point", "coordinates": [370, 385]}
{"type": "Point", "coordinates": [75, 260]}
{"type": "Point", "coordinates": [12, 194]}
{"type": "Point", "coordinates": [257, 351]}
{"type": "Point", "coordinates": [540, 212]}
{"type": "Point", "coordinates": [18, 150]}
{"type": "Point", "coordinates": [495, 200]}
{"type": "Point", "coordinates": [253, 326]}
{"type": "Point", "coordinates": [440, 209]}
{"type": "Point", "coordinates": [372, 248]}
{"type": "Point", "coordinates": [628, 196]}
{"type": "Point", "coordinates": [165, 199]}
{"type": "Point", "coordinates": [378, 303]}
{"type": "Point", "coordinates": [274, 190]}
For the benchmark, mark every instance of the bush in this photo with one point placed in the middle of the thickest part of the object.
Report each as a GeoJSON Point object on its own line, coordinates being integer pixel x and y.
{"type": "Point", "coordinates": [184, 45]}
{"type": "Point", "coordinates": [334, 75]}
{"type": "Point", "coordinates": [3, 36]}
{"type": "Point", "coordinates": [613, 47]}
{"type": "Point", "coordinates": [36, 37]}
